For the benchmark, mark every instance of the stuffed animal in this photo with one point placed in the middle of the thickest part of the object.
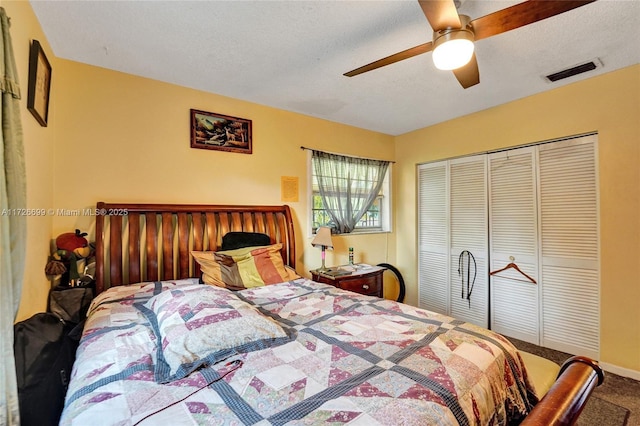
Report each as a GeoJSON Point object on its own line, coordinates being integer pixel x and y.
{"type": "Point", "coordinates": [74, 242]}
{"type": "Point", "coordinates": [70, 248]}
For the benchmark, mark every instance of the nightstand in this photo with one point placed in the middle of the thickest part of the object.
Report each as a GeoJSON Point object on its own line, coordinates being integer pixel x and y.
{"type": "Point", "coordinates": [364, 280]}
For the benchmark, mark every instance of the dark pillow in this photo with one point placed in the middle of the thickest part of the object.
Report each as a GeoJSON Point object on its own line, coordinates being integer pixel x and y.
{"type": "Point", "coordinates": [236, 240]}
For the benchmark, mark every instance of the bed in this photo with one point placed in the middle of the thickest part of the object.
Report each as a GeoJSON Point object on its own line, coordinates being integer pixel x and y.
{"type": "Point", "coordinates": [263, 345]}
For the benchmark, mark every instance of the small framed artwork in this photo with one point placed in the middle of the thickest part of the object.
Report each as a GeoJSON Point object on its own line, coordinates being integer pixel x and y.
{"type": "Point", "coordinates": [39, 83]}
{"type": "Point", "coordinates": [219, 132]}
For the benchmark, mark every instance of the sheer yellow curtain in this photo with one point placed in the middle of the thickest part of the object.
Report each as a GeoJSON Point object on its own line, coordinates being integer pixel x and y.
{"type": "Point", "coordinates": [12, 226]}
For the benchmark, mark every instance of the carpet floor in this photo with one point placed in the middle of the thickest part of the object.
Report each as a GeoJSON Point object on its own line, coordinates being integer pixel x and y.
{"type": "Point", "coordinates": [614, 403]}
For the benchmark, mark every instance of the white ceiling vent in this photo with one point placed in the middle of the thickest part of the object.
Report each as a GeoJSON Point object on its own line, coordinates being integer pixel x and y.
{"type": "Point", "coordinates": [574, 70]}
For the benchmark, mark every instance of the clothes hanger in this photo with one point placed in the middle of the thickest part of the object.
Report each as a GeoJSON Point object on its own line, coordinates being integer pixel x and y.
{"type": "Point", "coordinates": [512, 265]}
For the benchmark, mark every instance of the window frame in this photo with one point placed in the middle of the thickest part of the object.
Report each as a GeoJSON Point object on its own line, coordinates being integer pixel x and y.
{"type": "Point", "coordinates": [385, 203]}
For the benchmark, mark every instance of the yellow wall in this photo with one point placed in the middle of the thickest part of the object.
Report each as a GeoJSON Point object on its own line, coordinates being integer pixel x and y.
{"type": "Point", "coordinates": [39, 152]}
{"type": "Point", "coordinates": [106, 128]}
{"type": "Point", "coordinates": [125, 138]}
{"type": "Point", "coordinates": [608, 104]}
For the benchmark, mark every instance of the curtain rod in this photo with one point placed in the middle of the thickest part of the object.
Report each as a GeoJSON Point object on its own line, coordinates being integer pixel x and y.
{"type": "Point", "coordinates": [344, 155]}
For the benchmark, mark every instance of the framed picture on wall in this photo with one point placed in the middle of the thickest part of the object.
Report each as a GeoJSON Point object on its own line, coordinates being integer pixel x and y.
{"type": "Point", "coordinates": [219, 132]}
{"type": "Point", "coordinates": [39, 83]}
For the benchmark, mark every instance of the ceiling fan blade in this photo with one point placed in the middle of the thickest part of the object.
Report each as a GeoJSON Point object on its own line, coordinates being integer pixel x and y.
{"type": "Point", "coordinates": [405, 54]}
{"type": "Point", "coordinates": [520, 15]}
{"type": "Point", "coordinates": [441, 14]}
{"type": "Point", "coordinates": [468, 75]}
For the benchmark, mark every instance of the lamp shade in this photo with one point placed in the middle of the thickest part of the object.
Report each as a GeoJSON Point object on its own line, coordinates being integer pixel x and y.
{"type": "Point", "coordinates": [322, 238]}
{"type": "Point", "coordinates": [452, 54]}
{"type": "Point", "coordinates": [453, 47]}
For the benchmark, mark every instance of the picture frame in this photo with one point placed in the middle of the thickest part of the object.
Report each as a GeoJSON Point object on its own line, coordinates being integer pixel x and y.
{"type": "Point", "coordinates": [210, 130]}
{"type": "Point", "coordinates": [39, 83]}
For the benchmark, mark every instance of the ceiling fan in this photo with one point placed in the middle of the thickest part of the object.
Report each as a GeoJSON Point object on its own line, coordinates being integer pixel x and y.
{"type": "Point", "coordinates": [454, 32]}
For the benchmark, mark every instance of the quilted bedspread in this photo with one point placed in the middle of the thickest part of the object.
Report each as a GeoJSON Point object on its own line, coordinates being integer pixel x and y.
{"type": "Point", "coordinates": [353, 359]}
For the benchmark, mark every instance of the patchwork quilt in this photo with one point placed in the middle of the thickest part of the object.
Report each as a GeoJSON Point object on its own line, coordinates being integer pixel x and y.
{"type": "Point", "coordinates": [346, 359]}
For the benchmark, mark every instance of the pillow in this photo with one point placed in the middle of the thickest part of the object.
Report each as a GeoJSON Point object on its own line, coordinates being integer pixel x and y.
{"type": "Point", "coordinates": [198, 325]}
{"type": "Point", "coordinates": [244, 268]}
{"type": "Point", "coordinates": [236, 240]}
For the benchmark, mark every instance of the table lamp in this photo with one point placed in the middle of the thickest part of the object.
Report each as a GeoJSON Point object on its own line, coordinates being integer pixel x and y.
{"type": "Point", "coordinates": [323, 240]}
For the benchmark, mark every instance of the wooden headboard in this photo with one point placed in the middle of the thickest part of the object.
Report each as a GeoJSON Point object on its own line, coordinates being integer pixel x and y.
{"type": "Point", "coordinates": [151, 242]}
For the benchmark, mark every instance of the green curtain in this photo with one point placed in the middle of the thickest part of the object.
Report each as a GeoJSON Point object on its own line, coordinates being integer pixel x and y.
{"type": "Point", "coordinates": [13, 196]}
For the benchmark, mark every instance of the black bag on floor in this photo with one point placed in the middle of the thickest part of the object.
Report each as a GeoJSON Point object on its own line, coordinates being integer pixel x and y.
{"type": "Point", "coordinates": [44, 355]}
{"type": "Point", "coordinates": [70, 303]}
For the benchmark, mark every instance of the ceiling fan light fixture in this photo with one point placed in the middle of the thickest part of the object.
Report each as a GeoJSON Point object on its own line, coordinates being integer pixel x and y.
{"type": "Point", "coordinates": [452, 49]}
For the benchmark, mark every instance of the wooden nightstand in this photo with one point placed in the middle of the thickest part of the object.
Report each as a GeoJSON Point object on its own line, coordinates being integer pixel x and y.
{"type": "Point", "coordinates": [366, 281]}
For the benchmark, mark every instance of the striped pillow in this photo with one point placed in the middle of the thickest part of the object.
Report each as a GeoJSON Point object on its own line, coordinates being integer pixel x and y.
{"type": "Point", "coordinates": [243, 268]}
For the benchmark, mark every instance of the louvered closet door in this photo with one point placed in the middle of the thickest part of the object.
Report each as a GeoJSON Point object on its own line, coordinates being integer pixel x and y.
{"type": "Point", "coordinates": [468, 231]}
{"type": "Point", "coordinates": [570, 246]}
{"type": "Point", "coordinates": [433, 237]}
{"type": "Point", "coordinates": [513, 237]}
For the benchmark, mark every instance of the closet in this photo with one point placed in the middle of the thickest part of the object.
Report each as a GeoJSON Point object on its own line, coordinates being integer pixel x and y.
{"type": "Point", "coordinates": [529, 218]}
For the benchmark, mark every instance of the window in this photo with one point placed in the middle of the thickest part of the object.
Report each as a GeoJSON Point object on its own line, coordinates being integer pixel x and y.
{"type": "Point", "coordinates": [351, 186]}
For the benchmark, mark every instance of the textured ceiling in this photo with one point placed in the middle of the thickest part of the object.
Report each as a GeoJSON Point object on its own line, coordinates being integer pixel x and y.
{"type": "Point", "coordinates": [292, 54]}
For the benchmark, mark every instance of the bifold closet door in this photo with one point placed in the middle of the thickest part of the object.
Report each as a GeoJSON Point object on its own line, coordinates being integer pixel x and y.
{"type": "Point", "coordinates": [452, 216]}
{"type": "Point", "coordinates": [570, 272]}
{"type": "Point", "coordinates": [513, 236]}
{"type": "Point", "coordinates": [433, 237]}
{"type": "Point", "coordinates": [469, 300]}
{"type": "Point", "coordinates": [536, 207]}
